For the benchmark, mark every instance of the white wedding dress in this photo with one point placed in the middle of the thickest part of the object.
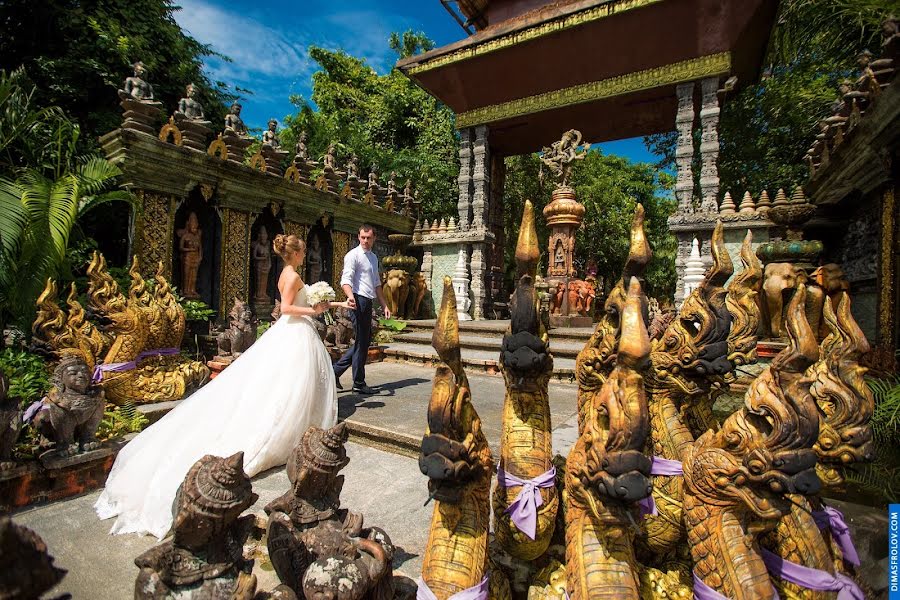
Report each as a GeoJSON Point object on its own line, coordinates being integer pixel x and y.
{"type": "Point", "coordinates": [261, 405]}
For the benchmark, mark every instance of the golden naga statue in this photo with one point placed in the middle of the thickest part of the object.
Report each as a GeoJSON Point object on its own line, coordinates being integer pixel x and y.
{"type": "Point", "coordinates": [136, 356]}
{"type": "Point", "coordinates": [737, 479]}
{"type": "Point", "coordinates": [526, 499]}
{"type": "Point", "coordinates": [743, 306]}
{"type": "Point", "coordinates": [596, 361]}
{"type": "Point", "coordinates": [457, 460]}
{"type": "Point", "coordinates": [607, 471]}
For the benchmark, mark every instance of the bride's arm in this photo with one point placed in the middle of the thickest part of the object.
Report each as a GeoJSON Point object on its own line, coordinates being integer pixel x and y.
{"type": "Point", "coordinates": [344, 304]}
{"type": "Point", "coordinates": [291, 287]}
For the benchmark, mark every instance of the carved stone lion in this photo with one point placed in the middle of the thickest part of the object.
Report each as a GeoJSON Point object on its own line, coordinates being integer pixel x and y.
{"type": "Point", "coordinates": [241, 332]}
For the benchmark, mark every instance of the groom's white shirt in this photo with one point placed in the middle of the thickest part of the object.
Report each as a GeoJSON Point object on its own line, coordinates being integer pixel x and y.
{"type": "Point", "coordinates": [361, 272]}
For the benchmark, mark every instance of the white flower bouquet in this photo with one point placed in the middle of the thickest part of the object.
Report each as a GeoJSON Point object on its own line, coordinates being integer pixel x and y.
{"type": "Point", "coordinates": [321, 292]}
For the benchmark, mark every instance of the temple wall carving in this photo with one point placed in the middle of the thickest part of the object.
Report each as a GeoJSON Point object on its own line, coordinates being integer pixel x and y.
{"type": "Point", "coordinates": [153, 231]}
{"type": "Point", "coordinates": [341, 245]}
{"type": "Point", "coordinates": [235, 256]}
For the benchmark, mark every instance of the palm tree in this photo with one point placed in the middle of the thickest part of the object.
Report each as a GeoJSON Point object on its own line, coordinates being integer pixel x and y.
{"type": "Point", "coordinates": [42, 200]}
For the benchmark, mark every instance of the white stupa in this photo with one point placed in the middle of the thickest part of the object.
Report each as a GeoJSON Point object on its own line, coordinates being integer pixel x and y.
{"type": "Point", "coordinates": [461, 286]}
{"type": "Point", "coordinates": [693, 270]}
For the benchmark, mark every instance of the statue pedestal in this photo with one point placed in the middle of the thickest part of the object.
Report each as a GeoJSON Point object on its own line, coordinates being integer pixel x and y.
{"type": "Point", "coordinates": [236, 146]}
{"type": "Point", "coordinates": [141, 116]}
{"type": "Point", "coordinates": [299, 171]}
{"type": "Point", "coordinates": [353, 189]}
{"type": "Point", "coordinates": [263, 310]}
{"type": "Point", "coordinates": [566, 315]}
{"type": "Point", "coordinates": [273, 159]}
{"type": "Point", "coordinates": [328, 181]}
{"type": "Point", "coordinates": [194, 134]}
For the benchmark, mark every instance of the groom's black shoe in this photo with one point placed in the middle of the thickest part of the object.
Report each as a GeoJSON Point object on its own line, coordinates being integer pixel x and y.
{"type": "Point", "coordinates": [337, 382]}
{"type": "Point", "coordinates": [364, 390]}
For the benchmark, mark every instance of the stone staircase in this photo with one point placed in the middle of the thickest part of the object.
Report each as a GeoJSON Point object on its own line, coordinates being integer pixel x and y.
{"type": "Point", "coordinates": [480, 342]}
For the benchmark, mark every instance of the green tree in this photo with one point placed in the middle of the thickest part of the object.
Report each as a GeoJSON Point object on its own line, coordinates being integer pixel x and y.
{"type": "Point", "coordinates": [609, 187]}
{"type": "Point", "coordinates": [766, 128]}
{"type": "Point", "coordinates": [79, 53]}
{"type": "Point", "coordinates": [386, 120]}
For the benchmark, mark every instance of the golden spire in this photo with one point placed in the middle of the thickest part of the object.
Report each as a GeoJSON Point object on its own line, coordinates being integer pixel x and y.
{"type": "Point", "coordinates": [639, 252]}
{"type": "Point", "coordinates": [445, 338]}
{"type": "Point", "coordinates": [527, 251]}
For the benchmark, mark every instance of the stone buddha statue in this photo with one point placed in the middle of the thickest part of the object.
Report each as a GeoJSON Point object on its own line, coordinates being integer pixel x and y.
{"type": "Point", "coordinates": [328, 161]}
{"type": "Point", "coordinates": [262, 258]}
{"type": "Point", "coordinates": [233, 122]}
{"type": "Point", "coordinates": [136, 88]}
{"type": "Point", "coordinates": [392, 184]}
{"type": "Point", "coordinates": [314, 259]}
{"type": "Point", "coordinates": [353, 167]}
{"type": "Point", "coordinates": [190, 246]}
{"type": "Point", "coordinates": [300, 149]}
{"type": "Point", "coordinates": [270, 136]}
{"type": "Point", "coordinates": [189, 108]}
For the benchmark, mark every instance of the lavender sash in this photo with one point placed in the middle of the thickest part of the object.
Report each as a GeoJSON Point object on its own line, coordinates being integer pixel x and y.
{"type": "Point", "coordinates": [479, 592]}
{"type": "Point", "coordinates": [704, 592]}
{"type": "Point", "coordinates": [659, 466]}
{"type": "Point", "coordinates": [833, 519]}
{"type": "Point", "coordinates": [119, 367]}
{"type": "Point", "coordinates": [812, 579]}
{"type": "Point", "coordinates": [523, 510]}
{"type": "Point", "coordinates": [32, 411]}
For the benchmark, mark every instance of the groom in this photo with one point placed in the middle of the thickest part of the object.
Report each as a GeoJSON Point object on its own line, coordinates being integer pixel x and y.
{"type": "Point", "coordinates": [361, 284]}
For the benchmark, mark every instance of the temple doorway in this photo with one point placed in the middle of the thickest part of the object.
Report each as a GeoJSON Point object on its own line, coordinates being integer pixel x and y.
{"type": "Point", "coordinates": [197, 248]}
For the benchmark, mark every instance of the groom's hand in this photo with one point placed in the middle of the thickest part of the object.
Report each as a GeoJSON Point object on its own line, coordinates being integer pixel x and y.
{"type": "Point", "coordinates": [351, 302]}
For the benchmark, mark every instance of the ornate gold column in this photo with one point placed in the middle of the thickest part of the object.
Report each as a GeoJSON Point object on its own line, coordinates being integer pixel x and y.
{"type": "Point", "coordinates": [235, 280]}
{"type": "Point", "coordinates": [300, 230]}
{"type": "Point", "coordinates": [887, 307]}
{"type": "Point", "coordinates": [340, 245]}
{"type": "Point", "coordinates": [154, 232]}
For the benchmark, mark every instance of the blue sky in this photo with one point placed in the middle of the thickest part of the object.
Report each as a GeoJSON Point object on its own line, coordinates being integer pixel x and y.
{"type": "Point", "coordinates": [267, 42]}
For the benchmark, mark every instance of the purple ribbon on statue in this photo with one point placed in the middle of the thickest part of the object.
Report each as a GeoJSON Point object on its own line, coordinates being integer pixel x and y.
{"type": "Point", "coordinates": [812, 579]}
{"type": "Point", "coordinates": [704, 592]}
{"type": "Point", "coordinates": [659, 466]}
{"type": "Point", "coordinates": [33, 410]}
{"type": "Point", "coordinates": [523, 510]}
{"type": "Point", "coordinates": [479, 592]}
{"type": "Point", "coordinates": [119, 367]}
{"type": "Point", "coordinates": [833, 519]}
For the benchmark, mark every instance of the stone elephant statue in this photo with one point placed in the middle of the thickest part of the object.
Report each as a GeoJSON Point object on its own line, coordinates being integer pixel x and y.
{"type": "Point", "coordinates": [396, 290]}
{"type": "Point", "coordinates": [417, 290]}
{"type": "Point", "coordinates": [779, 281]}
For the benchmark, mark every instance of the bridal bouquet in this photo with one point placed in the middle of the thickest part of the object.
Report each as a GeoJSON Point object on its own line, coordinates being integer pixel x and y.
{"type": "Point", "coordinates": [321, 292]}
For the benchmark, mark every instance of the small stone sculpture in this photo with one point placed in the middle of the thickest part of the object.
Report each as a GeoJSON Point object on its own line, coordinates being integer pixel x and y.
{"type": "Point", "coordinates": [270, 136]}
{"type": "Point", "coordinates": [328, 161]}
{"type": "Point", "coordinates": [317, 548]}
{"type": "Point", "coordinates": [340, 333]}
{"type": "Point", "coordinates": [314, 259]}
{"type": "Point", "coordinates": [262, 258]}
{"type": "Point", "coordinates": [233, 121]}
{"type": "Point", "coordinates": [191, 247]}
{"type": "Point", "coordinates": [26, 569]}
{"type": "Point", "coordinates": [300, 149]}
{"type": "Point", "coordinates": [72, 411]}
{"type": "Point", "coordinates": [560, 155]}
{"type": "Point", "coordinates": [10, 424]}
{"type": "Point", "coordinates": [373, 179]}
{"type": "Point", "coordinates": [189, 108]}
{"type": "Point", "coordinates": [391, 184]}
{"type": "Point", "coordinates": [203, 557]}
{"type": "Point", "coordinates": [136, 88]}
{"type": "Point", "coordinates": [241, 332]}
{"type": "Point", "coordinates": [353, 167]}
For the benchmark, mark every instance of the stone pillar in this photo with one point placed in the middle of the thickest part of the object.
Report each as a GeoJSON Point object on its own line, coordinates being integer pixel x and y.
{"type": "Point", "coordinates": [464, 204]}
{"type": "Point", "coordinates": [427, 266]}
{"type": "Point", "coordinates": [709, 146]}
{"type": "Point", "coordinates": [461, 285]}
{"type": "Point", "coordinates": [684, 152]}
{"type": "Point", "coordinates": [481, 177]}
{"type": "Point", "coordinates": [235, 280]}
{"type": "Point", "coordinates": [154, 232]}
{"type": "Point", "coordinates": [681, 258]}
{"type": "Point", "coordinates": [479, 291]}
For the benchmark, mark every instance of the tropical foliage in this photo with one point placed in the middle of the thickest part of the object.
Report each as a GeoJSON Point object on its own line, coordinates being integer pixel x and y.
{"type": "Point", "coordinates": [609, 187]}
{"type": "Point", "coordinates": [881, 477]}
{"type": "Point", "coordinates": [29, 378]}
{"type": "Point", "coordinates": [766, 128]}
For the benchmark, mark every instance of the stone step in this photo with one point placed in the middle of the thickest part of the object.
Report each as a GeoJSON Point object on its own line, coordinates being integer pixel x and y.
{"type": "Point", "coordinates": [498, 329]}
{"type": "Point", "coordinates": [474, 361]}
{"type": "Point", "coordinates": [560, 347]}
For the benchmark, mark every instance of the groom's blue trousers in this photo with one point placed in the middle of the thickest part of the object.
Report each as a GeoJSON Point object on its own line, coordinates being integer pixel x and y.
{"type": "Point", "coordinates": [359, 351]}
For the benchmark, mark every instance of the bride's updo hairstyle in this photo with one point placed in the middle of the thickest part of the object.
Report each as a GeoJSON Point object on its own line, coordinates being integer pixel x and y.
{"type": "Point", "coordinates": [285, 245]}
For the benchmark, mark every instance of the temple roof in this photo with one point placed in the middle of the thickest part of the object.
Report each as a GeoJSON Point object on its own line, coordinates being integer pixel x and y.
{"type": "Point", "coordinates": [606, 67]}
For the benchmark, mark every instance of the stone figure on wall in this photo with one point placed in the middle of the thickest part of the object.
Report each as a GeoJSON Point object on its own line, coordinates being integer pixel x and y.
{"type": "Point", "coordinates": [270, 136]}
{"type": "Point", "coordinates": [391, 184]}
{"type": "Point", "coordinates": [408, 189]}
{"type": "Point", "coordinates": [314, 260]}
{"type": "Point", "coordinates": [300, 149]}
{"type": "Point", "coordinates": [189, 108]}
{"type": "Point", "coordinates": [560, 155]}
{"type": "Point", "coordinates": [262, 258]}
{"type": "Point", "coordinates": [328, 161]}
{"type": "Point", "coordinates": [233, 121]}
{"type": "Point", "coordinates": [241, 332]}
{"type": "Point", "coordinates": [559, 255]}
{"type": "Point", "coordinates": [373, 179]}
{"type": "Point", "coordinates": [190, 246]}
{"type": "Point", "coordinates": [136, 88]}
{"type": "Point", "coordinates": [353, 167]}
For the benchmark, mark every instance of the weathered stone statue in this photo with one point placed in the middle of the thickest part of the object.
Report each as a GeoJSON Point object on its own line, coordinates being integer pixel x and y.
{"type": "Point", "coordinates": [189, 108]}
{"type": "Point", "coordinates": [300, 149]}
{"type": "Point", "coordinates": [10, 424]}
{"type": "Point", "coordinates": [392, 184]}
{"type": "Point", "coordinates": [270, 136]}
{"type": "Point", "coordinates": [340, 333]}
{"type": "Point", "coordinates": [241, 332]}
{"type": "Point", "coordinates": [373, 179]}
{"type": "Point", "coordinates": [314, 260]}
{"type": "Point", "coordinates": [72, 411]}
{"type": "Point", "coordinates": [190, 245]}
{"type": "Point", "coordinates": [136, 88]}
{"type": "Point", "coordinates": [317, 548]}
{"type": "Point", "coordinates": [329, 161]}
{"type": "Point", "coordinates": [396, 290]}
{"type": "Point", "coordinates": [560, 155]}
{"type": "Point", "coordinates": [26, 569]}
{"type": "Point", "coordinates": [353, 167]}
{"type": "Point", "coordinates": [233, 122]}
{"type": "Point", "coordinates": [262, 258]}
{"type": "Point", "coordinates": [203, 557]}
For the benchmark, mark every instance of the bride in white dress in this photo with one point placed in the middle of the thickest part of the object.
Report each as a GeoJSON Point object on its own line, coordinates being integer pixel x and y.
{"type": "Point", "coordinates": [260, 405]}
